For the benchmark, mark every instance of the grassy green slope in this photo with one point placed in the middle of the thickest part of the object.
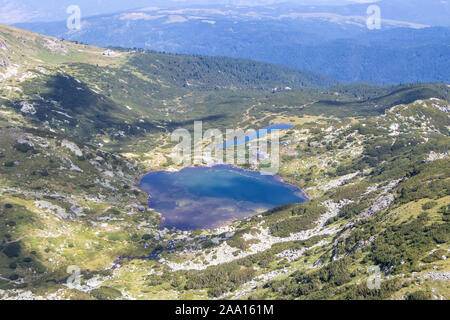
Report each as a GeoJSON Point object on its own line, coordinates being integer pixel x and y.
{"type": "Point", "coordinates": [379, 190]}
{"type": "Point", "coordinates": [127, 100]}
{"type": "Point", "coordinates": [374, 162]}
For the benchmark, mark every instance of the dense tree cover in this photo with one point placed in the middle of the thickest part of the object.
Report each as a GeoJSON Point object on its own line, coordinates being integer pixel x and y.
{"type": "Point", "coordinates": [366, 92]}
{"type": "Point", "coordinates": [316, 284]}
{"type": "Point", "coordinates": [222, 72]}
{"type": "Point", "coordinates": [429, 205]}
{"type": "Point", "coordinates": [420, 295]}
{"type": "Point", "coordinates": [211, 89]}
{"type": "Point", "coordinates": [220, 279]}
{"type": "Point", "coordinates": [401, 247]}
{"type": "Point", "coordinates": [12, 250]}
{"type": "Point", "coordinates": [350, 192]}
{"type": "Point", "coordinates": [286, 220]}
{"type": "Point", "coordinates": [349, 103]}
{"type": "Point", "coordinates": [426, 181]}
{"type": "Point", "coordinates": [362, 292]}
{"type": "Point", "coordinates": [404, 156]}
{"type": "Point", "coordinates": [352, 209]}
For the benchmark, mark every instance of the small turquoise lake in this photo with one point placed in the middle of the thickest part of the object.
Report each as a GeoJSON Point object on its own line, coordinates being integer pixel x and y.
{"type": "Point", "coordinates": [207, 197]}
{"type": "Point", "coordinates": [258, 134]}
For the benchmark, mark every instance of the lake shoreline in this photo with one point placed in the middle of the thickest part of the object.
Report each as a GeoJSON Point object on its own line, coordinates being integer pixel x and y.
{"type": "Point", "coordinates": [232, 166]}
{"type": "Point", "coordinates": [272, 186]}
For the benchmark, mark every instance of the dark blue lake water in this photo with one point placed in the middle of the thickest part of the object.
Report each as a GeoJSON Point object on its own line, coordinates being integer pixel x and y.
{"type": "Point", "coordinates": [206, 197]}
{"type": "Point", "coordinates": [261, 133]}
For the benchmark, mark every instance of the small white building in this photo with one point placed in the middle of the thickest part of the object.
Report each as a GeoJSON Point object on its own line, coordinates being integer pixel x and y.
{"type": "Point", "coordinates": [108, 53]}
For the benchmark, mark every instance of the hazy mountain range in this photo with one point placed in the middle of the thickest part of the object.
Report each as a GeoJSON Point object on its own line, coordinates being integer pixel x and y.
{"type": "Point", "coordinates": [411, 46]}
{"type": "Point", "coordinates": [432, 12]}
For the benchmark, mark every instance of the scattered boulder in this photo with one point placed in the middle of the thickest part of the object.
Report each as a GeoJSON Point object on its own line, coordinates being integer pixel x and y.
{"type": "Point", "coordinates": [72, 147]}
{"type": "Point", "coordinates": [318, 263]}
{"type": "Point", "coordinates": [27, 108]}
{"type": "Point", "coordinates": [76, 210]}
{"type": "Point", "coordinates": [52, 208]}
{"type": "Point", "coordinates": [24, 146]}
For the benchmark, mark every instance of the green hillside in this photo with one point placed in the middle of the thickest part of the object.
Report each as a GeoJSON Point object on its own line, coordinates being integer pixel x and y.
{"type": "Point", "coordinates": [126, 100]}
{"type": "Point", "coordinates": [78, 129]}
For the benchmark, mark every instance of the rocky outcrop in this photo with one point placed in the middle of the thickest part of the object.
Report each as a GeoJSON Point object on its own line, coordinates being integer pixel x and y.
{"type": "Point", "coordinates": [52, 208]}
{"type": "Point", "coordinates": [72, 147]}
{"type": "Point", "coordinates": [55, 45]}
{"type": "Point", "coordinates": [433, 156]}
{"type": "Point", "coordinates": [4, 45]}
{"type": "Point", "coordinates": [437, 276]}
{"type": "Point", "coordinates": [381, 203]}
{"type": "Point", "coordinates": [4, 62]}
{"type": "Point", "coordinates": [338, 182]}
{"type": "Point", "coordinates": [27, 108]}
{"type": "Point", "coordinates": [264, 241]}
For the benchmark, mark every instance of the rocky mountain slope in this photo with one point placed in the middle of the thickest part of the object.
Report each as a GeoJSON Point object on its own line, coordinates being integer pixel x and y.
{"type": "Point", "coordinates": [373, 161]}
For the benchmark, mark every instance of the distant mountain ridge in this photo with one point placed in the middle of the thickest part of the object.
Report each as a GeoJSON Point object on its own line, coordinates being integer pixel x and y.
{"type": "Point", "coordinates": [336, 44]}
{"type": "Point", "coordinates": [428, 12]}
